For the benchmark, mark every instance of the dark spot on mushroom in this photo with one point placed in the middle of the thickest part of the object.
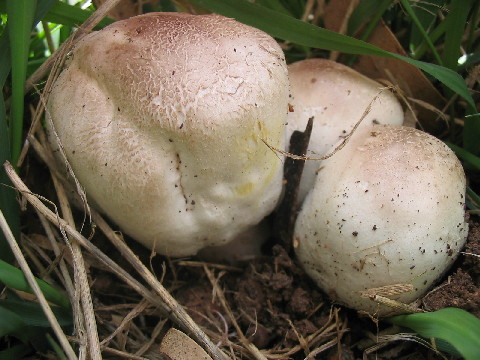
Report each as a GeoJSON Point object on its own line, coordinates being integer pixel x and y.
{"type": "Point", "coordinates": [374, 227]}
{"type": "Point", "coordinates": [355, 233]}
{"type": "Point", "coordinates": [412, 267]}
{"type": "Point", "coordinates": [181, 126]}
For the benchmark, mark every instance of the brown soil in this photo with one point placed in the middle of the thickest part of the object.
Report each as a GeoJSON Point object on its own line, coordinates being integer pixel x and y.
{"type": "Point", "coordinates": [278, 307]}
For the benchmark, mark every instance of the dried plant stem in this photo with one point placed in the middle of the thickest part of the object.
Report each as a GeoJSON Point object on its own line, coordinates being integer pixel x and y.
{"type": "Point", "coordinates": [81, 277]}
{"type": "Point", "coordinates": [185, 320]}
{"type": "Point", "coordinates": [67, 281]}
{"type": "Point", "coordinates": [165, 302]}
{"type": "Point", "coordinates": [36, 289]}
{"type": "Point", "coordinates": [137, 310]}
{"type": "Point", "coordinates": [254, 351]}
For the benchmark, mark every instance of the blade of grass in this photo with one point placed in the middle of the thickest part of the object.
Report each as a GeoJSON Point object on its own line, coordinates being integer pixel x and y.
{"type": "Point", "coordinates": [455, 326]}
{"type": "Point", "coordinates": [275, 5]}
{"type": "Point", "coordinates": [10, 322]}
{"type": "Point", "coordinates": [471, 134]}
{"type": "Point", "coordinates": [32, 314]}
{"type": "Point", "coordinates": [36, 288]}
{"type": "Point", "coordinates": [473, 199]}
{"type": "Point", "coordinates": [418, 24]}
{"type": "Point", "coordinates": [8, 202]}
{"type": "Point", "coordinates": [15, 352]}
{"type": "Point", "coordinates": [427, 13]}
{"type": "Point", "coordinates": [372, 24]}
{"type": "Point", "coordinates": [15, 279]}
{"type": "Point", "coordinates": [65, 14]}
{"type": "Point", "coordinates": [57, 348]}
{"type": "Point", "coordinates": [468, 157]}
{"type": "Point", "coordinates": [455, 27]}
{"type": "Point", "coordinates": [20, 19]}
{"type": "Point", "coordinates": [290, 29]}
{"type": "Point", "coordinates": [365, 11]}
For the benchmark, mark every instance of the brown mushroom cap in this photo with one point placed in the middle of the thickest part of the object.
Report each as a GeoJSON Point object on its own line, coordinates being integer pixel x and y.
{"type": "Point", "coordinates": [162, 118]}
{"type": "Point", "coordinates": [336, 96]}
{"type": "Point", "coordinates": [386, 210]}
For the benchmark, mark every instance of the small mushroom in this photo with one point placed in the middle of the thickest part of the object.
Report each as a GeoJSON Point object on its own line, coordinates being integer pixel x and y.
{"type": "Point", "coordinates": [385, 217]}
{"type": "Point", "coordinates": [162, 117]}
{"type": "Point", "coordinates": [336, 96]}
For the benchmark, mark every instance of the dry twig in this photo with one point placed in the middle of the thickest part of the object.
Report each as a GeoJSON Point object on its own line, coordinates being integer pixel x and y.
{"type": "Point", "coordinates": [36, 288]}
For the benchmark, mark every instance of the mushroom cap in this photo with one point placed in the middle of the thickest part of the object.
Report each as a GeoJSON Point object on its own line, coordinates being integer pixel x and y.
{"type": "Point", "coordinates": [336, 96]}
{"type": "Point", "coordinates": [162, 117]}
{"type": "Point", "coordinates": [386, 211]}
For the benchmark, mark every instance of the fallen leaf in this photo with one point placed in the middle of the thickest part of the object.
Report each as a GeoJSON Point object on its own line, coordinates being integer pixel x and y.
{"type": "Point", "coordinates": [178, 346]}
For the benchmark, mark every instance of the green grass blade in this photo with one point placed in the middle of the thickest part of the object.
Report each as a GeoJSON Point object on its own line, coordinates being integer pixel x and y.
{"type": "Point", "coordinates": [471, 159]}
{"type": "Point", "coordinates": [56, 348]}
{"type": "Point", "coordinates": [10, 322]}
{"type": "Point", "coordinates": [455, 27]}
{"type": "Point", "coordinates": [14, 278]}
{"type": "Point", "coordinates": [418, 24]}
{"type": "Point", "coordinates": [8, 203]}
{"type": "Point", "coordinates": [290, 29]}
{"type": "Point", "coordinates": [427, 13]}
{"type": "Point", "coordinates": [15, 352]}
{"type": "Point", "coordinates": [473, 199]}
{"type": "Point", "coordinates": [20, 20]}
{"type": "Point", "coordinates": [62, 13]}
{"type": "Point", "coordinates": [471, 134]}
{"type": "Point", "coordinates": [275, 5]}
{"type": "Point", "coordinates": [364, 11]}
{"type": "Point", "coordinates": [455, 326]}
{"type": "Point", "coordinates": [33, 315]}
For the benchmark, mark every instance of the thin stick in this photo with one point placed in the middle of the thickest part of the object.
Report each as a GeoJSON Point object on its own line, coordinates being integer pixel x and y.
{"type": "Point", "coordinates": [185, 320]}
{"type": "Point", "coordinates": [166, 301]}
{"type": "Point", "coordinates": [36, 289]}
{"type": "Point", "coordinates": [137, 310]}
{"type": "Point", "coordinates": [67, 282]}
{"type": "Point", "coordinates": [80, 277]}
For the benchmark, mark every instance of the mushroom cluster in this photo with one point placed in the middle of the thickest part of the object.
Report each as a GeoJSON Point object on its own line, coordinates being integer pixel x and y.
{"type": "Point", "coordinates": [162, 118]}
{"type": "Point", "coordinates": [385, 217]}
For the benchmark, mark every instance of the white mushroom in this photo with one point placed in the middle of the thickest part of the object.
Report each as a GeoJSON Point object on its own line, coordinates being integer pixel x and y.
{"type": "Point", "coordinates": [336, 96]}
{"type": "Point", "coordinates": [162, 118]}
{"type": "Point", "coordinates": [385, 217]}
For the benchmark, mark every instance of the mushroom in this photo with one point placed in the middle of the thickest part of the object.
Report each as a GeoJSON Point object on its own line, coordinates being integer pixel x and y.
{"type": "Point", "coordinates": [162, 117]}
{"type": "Point", "coordinates": [385, 217]}
{"type": "Point", "coordinates": [336, 96]}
